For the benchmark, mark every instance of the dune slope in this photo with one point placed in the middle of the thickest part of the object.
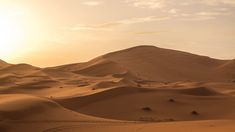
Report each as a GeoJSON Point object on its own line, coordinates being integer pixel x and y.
{"type": "Point", "coordinates": [131, 103]}
{"type": "Point", "coordinates": [158, 64]}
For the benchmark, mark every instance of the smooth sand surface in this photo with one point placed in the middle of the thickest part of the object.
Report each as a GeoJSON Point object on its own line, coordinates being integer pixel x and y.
{"type": "Point", "coordinates": [144, 89]}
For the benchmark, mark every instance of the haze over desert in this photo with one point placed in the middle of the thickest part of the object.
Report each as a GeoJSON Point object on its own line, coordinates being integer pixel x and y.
{"type": "Point", "coordinates": [117, 65]}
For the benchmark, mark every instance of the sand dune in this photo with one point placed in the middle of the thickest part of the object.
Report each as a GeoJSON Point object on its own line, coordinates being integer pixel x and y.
{"type": "Point", "coordinates": [28, 107]}
{"type": "Point", "coordinates": [19, 69]}
{"type": "Point", "coordinates": [159, 64]}
{"type": "Point", "coordinates": [3, 64]}
{"type": "Point", "coordinates": [135, 86]}
{"type": "Point", "coordinates": [127, 103]}
{"type": "Point", "coordinates": [153, 63]}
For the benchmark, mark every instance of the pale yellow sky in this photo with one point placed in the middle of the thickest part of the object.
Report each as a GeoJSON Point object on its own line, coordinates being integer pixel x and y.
{"type": "Point", "coordinates": [54, 32]}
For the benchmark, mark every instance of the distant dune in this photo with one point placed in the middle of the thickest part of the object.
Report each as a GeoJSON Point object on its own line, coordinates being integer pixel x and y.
{"type": "Point", "coordinates": [169, 65]}
{"type": "Point", "coordinates": [3, 64]}
{"type": "Point", "coordinates": [153, 63]}
{"type": "Point", "coordinates": [143, 88]}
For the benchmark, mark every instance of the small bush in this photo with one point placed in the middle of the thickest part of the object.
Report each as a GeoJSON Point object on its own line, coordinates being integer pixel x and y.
{"type": "Point", "coordinates": [171, 100]}
{"type": "Point", "coordinates": [194, 113]}
{"type": "Point", "coordinates": [146, 109]}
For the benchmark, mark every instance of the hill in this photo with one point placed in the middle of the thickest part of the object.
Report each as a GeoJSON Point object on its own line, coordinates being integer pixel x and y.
{"type": "Point", "coordinates": [158, 64]}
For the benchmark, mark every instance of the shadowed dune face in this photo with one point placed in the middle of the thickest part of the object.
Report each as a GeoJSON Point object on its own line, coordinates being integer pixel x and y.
{"type": "Point", "coordinates": [140, 84]}
{"type": "Point", "coordinates": [101, 68]}
{"type": "Point", "coordinates": [127, 103]}
{"type": "Point", "coordinates": [200, 91]}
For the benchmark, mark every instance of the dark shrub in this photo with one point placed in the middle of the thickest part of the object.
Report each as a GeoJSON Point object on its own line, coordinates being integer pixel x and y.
{"type": "Point", "coordinates": [146, 109]}
{"type": "Point", "coordinates": [171, 100]}
{"type": "Point", "coordinates": [194, 113]}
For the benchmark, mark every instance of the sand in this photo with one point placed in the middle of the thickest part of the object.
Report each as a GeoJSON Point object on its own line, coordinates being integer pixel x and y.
{"type": "Point", "coordinates": [143, 88]}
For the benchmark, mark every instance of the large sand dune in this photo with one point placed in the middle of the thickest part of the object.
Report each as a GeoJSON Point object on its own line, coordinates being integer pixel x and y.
{"type": "Point", "coordinates": [132, 89]}
{"type": "Point", "coordinates": [153, 63]}
{"type": "Point", "coordinates": [168, 65]}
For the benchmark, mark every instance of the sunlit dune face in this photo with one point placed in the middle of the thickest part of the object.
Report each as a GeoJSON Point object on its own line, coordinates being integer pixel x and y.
{"type": "Point", "coordinates": [11, 33]}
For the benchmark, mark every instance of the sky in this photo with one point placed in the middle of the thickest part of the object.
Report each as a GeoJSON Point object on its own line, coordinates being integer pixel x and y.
{"type": "Point", "coordinates": [55, 32]}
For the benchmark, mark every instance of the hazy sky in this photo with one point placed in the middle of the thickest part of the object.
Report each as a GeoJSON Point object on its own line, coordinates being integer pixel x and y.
{"type": "Point", "coordinates": [53, 32]}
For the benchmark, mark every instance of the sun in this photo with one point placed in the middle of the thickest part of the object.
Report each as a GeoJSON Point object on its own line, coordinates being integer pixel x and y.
{"type": "Point", "coordinates": [11, 33]}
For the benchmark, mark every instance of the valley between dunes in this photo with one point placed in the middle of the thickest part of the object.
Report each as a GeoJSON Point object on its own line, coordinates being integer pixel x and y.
{"type": "Point", "coordinates": [143, 89]}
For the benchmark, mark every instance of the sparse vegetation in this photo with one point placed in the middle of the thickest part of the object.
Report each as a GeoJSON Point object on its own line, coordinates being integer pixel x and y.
{"type": "Point", "coordinates": [194, 113]}
{"type": "Point", "coordinates": [171, 100]}
{"type": "Point", "coordinates": [147, 109]}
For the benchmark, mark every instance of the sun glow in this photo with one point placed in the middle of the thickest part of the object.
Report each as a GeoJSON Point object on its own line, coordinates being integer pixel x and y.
{"type": "Point", "coordinates": [11, 33]}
